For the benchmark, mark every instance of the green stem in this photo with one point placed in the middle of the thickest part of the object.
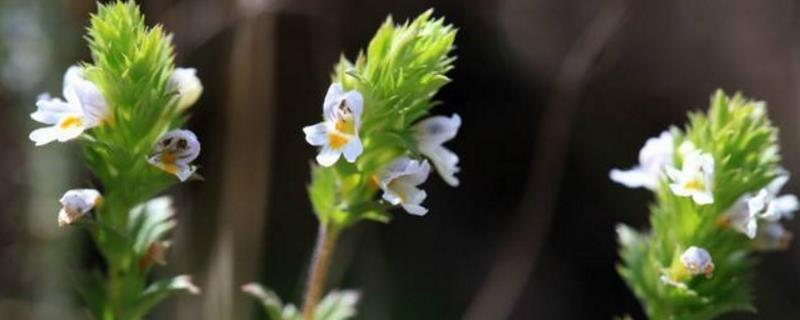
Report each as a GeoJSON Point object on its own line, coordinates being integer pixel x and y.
{"type": "Point", "coordinates": [318, 272]}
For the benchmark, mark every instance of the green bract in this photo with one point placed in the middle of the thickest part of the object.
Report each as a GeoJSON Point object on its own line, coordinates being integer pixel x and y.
{"type": "Point", "coordinates": [132, 68]}
{"type": "Point", "coordinates": [743, 144]}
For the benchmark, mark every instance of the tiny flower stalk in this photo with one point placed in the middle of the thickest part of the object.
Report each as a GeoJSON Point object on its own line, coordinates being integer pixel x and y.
{"type": "Point", "coordinates": [717, 188]}
{"type": "Point", "coordinates": [375, 145]}
{"type": "Point", "coordinates": [125, 108]}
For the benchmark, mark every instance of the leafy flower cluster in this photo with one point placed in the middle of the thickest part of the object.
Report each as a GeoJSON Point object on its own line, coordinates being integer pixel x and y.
{"type": "Point", "coordinates": [372, 116]}
{"type": "Point", "coordinates": [125, 108]}
{"type": "Point", "coordinates": [716, 184]}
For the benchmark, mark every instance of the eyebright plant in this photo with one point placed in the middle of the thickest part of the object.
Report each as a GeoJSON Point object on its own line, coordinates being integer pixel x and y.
{"type": "Point", "coordinates": [125, 109]}
{"type": "Point", "coordinates": [376, 145]}
{"type": "Point", "coordinates": [717, 202]}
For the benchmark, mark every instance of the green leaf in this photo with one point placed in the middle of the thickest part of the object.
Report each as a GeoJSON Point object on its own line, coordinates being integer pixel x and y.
{"type": "Point", "coordinates": [337, 305]}
{"type": "Point", "coordinates": [271, 303]}
{"type": "Point", "coordinates": [323, 191]}
{"type": "Point", "coordinates": [157, 292]}
{"type": "Point", "coordinates": [150, 222]}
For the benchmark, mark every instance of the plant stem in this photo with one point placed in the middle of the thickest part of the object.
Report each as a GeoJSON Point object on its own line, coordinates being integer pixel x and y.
{"type": "Point", "coordinates": [326, 243]}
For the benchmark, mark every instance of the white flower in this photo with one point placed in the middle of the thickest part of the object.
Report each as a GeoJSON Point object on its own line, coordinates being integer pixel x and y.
{"type": "Point", "coordinates": [768, 205]}
{"type": "Point", "coordinates": [698, 261]}
{"type": "Point", "coordinates": [76, 204]}
{"type": "Point", "coordinates": [695, 179]}
{"type": "Point", "coordinates": [741, 219]}
{"type": "Point", "coordinates": [772, 236]}
{"type": "Point", "coordinates": [654, 156]}
{"type": "Point", "coordinates": [399, 182]}
{"type": "Point", "coordinates": [431, 133]}
{"type": "Point", "coordinates": [83, 109]}
{"type": "Point", "coordinates": [184, 81]}
{"type": "Point", "coordinates": [338, 134]}
{"type": "Point", "coordinates": [175, 152]}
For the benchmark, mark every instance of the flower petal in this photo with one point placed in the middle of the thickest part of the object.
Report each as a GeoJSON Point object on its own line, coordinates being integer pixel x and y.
{"type": "Point", "coordinates": [391, 197]}
{"type": "Point", "coordinates": [633, 178]}
{"type": "Point", "coordinates": [51, 110]}
{"type": "Point", "coordinates": [185, 82]}
{"type": "Point", "coordinates": [786, 205]}
{"type": "Point", "coordinates": [72, 76]}
{"type": "Point", "coordinates": [414, 209]}
{"type": "Point", "coordinates": [758, 203]}
{"type": "Point", "coordinates": [328, 156]}
{"type": "Point", "coordinates": [352, 149]}
{"type": "Point", "coordinates": [445, 161]}
{"type": "Point", "coordinates": [317, 135]}
{"type": "Point", "coordinates": [92, 102]}
{"type": "Point", "coordinates": [437, 130]}
{"type": "Point", "coordinates": [356, 103]}
{"type": "Point", "coordinates": [332, 98]}
{"type": "Point", "coordinates": [43, 136]}
{"type": "Point", "coordinates": [703, 198]}
{"type": "Point", "coordinates": [185, 171]}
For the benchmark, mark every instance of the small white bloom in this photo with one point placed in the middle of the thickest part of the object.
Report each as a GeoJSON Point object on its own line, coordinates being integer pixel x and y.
{"type": "Point", "coordinates": [741, 219]}
{"type": "Point", "coordinates": [83, 109]}
{"type": "Point", "coordinates": [772, 236]}
{"type": "Point", "coordinates": [76, 203]}
{"type": "Point", "coordinates": [431, 133]}
{"type": "Point", "coordinates": [654, 156]}
{"type": "Point", "coordinates": [698, 261]}
{"type": "Point", "coordinates": [768, 205]}
{"type": "Point", "coordinates": [185, 82]}
{"type": "Point", "coordinates": [695, 179]}
{"type": "Point", "coordinates": [338, 134]}
{"type": "Point", "coordinates": [175, 152]}
{"type": "Point", "coordinates": [399, 182]}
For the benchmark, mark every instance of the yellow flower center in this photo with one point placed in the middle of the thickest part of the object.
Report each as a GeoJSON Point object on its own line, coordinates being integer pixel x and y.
{"type": "Point", "coordinates": [337, 140]}
{"type": "Point", "coordinates": [70, 122]}
{"type": "Point", "coordinates": [345, 126]}
{"type": "Point", "coordinates": [693, 185]}
{"type": "Point", "coordinates": [168, 163]}
{"type": "Point", "coordinates": [397, 191]}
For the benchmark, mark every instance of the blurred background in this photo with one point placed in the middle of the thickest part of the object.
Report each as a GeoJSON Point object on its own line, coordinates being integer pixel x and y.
{"type": "Point", "coordinates": [553, 95]}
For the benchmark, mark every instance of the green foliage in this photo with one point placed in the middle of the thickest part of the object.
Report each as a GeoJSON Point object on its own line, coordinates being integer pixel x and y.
{"type": "Point", "coordinates": [337, 305]}
{"type": "Point", "coordinates": [743, 144]}
{"type": "Point", "coordinates": [398, 75]}
{"type": "Point", "coordinates": [132, 65]}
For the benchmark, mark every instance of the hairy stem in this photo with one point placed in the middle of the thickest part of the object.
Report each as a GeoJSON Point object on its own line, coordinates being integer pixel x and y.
{"type": "Point", "coordinates": [326, 243]}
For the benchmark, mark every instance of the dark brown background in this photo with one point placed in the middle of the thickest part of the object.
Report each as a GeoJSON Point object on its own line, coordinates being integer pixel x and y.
{"type": "Point", "coordinates": [553, 94]}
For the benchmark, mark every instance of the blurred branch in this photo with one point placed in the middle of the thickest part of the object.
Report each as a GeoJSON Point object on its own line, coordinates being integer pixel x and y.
{"type": "Point", "coordinates": [200, 21]}
{"type": "Point", "coordinates": [248, 142]}
{"type": "Point", "coordinates": [508, 277]}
